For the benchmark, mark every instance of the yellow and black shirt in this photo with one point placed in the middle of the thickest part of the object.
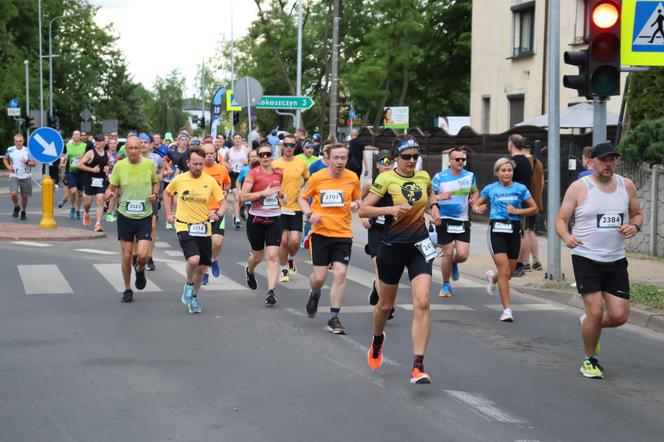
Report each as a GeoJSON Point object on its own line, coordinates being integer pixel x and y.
{"type": "Point", "coordinates": [413, 191]}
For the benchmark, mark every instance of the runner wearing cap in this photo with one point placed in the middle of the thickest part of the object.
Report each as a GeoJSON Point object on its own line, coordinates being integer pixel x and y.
{"type": "Point", "coordinates": [606, 211]}
{"type": "Point", "coordinates": [19, 162]}
{"type": "Point", "coordinates": [73, 152]}
{"type": "Point", "coordinates": [95, 164]}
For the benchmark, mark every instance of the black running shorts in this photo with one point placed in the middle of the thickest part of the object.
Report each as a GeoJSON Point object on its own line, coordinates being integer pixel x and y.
{"type": "Point", "coordinates": [217, 228]}
{"type": "Point", "coordinates": [508, 243]}
{"type": "Point", "coordinates": [447, 225]}
{"type": "Point", "coordinates": [200, 246]}
{"type": "Point", "coordinates": [291, 223]}
{"type": "Point", "coordinates": [393, 258]}
{"type": "Point", "coordinates": [594, 276]}
{"type": "Point", "coordinates": [130, 228]}
{"type": "Point", "coordinates": [263, 231]}
{"type": "Point", "coordinates": [327, 249]}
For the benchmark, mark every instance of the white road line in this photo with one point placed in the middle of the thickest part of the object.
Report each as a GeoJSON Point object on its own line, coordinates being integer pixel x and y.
{"type": "Point", "coordinates": [165, 260]}
{"type": "Point", "coordinates": [361, 276]}
{"type": "Point", "coordinates": [527, 307]}
{"type": "Point", "coordinates": [32, 244]}
{"type": "Point", "coordinates": [296, 282]}
{"type": "Point", "coordinates": [216, 284]}
{"type": "Point", "coordinates": [484, 407]}
{"type": "Point", "coordinates": [173, 252]}
{"type": "Point", "coordinates": [441, 307]}
{"type": "Point", "coordinates": [162, 245]}
{"type": "Point", "coordinates": [43, 279]}
{"type": "Point", "coordinates": [113, 274]}
{"type": "Point", "coordinates": [96, 251]}
{"type": "Point", "coordinates": [351, 308]}
{"type": "Point", "coordinates": [462, 282]}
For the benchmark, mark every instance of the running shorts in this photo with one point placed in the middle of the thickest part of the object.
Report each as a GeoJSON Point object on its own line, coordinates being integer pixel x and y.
{"type": "Point", "coordinates": [449, 225]}
{"type": "Point", "coordinates": [594, 276]}
{"type": "Point", "coordinates": [393, 258]}
{"type": "Point", "coordinates": [508, 243]}
{"type": "Point", "coordinates": [291, 223]}
{"type": "Point", "coordinates": [75, 180]}
{"type": "Point", "coordinates": [219, 226]}
{"type": "Point", "coordinates": [200, 246]}
{"type": "Point", "coordinates": [92, 191]}
{"type": "Point", "coordinates": [24, 185]}
{"type": "Point", "coordinates": [263, 231]}
{"type": "Point", "coordinates": [374, 238]}
{"type": "Point", "coordinates": [130, 228]}
{"type": "Point", "coordinates": [326, 249]}
{"type": "Point", "coordinates": [233, 176]}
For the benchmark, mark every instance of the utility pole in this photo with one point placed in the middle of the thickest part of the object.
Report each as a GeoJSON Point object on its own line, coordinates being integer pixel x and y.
{"type": "Point", "coordinates": [334, 71]}
{"type": "Point", "coordinates": [232, 68]}
{"type": "Point", "coordinates": [27, 98]}
{"type": "Point", "coordinates": [202, 97]}
{"type": "Point", "coordinates": [298, 113]}
{"type": "Point", "coordinates": [41, 70]}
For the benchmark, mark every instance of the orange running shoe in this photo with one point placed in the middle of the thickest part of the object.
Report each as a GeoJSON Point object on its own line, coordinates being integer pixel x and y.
{"type": "Point", "coordinates": [375, 355]}
{"type": "Point", "coordinates": [418, 376]}
{"type": "Point", "coordinates": [86, 219]}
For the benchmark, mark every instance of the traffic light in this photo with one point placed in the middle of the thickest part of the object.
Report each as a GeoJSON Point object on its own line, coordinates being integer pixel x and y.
{"type": "Point", "coordinates": [201, 122]}
{"type": "Point", "coordinates": [604, 48]}
{"type": "Point", "coordinates": [50, 120]}
{"type": "Point", "coordinates": [194, 119]}
{"type": "Point", "coordinates": [236, 118]}
{"type": "Point", "coordinates": [580, 81]}
{"type": "Point", "coordinates": [29, 121]}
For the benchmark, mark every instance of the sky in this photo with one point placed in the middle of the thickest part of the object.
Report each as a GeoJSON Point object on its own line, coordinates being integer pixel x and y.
{"type": "Point", "coordinates": [159, 35]}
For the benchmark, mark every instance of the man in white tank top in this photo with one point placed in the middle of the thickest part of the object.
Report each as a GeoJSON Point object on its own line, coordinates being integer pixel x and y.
{"type": "Point", "coordinates": [235, 159]}
{"type": "Point", "coordinates": [606, 211]}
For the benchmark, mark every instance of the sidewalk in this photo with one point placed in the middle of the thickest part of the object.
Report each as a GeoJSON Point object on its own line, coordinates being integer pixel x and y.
{"type": "Point", "coordinates": [19, 231]}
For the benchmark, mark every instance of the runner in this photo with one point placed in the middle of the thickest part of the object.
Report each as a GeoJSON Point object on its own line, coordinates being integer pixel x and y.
{"type": "Point", "coordinates": [236, 158]}
{"type": "Point", "coordinates": [19, 162]}
{"type": "Point", "coordinates": [606, 211]}
{"type": "Point", "coordinates": [308, 154]}
{"type": "Point", "coordinates": [194, 190]}
{"type": "Point", "coordinates": [95, 164]}
{"type": "Point", "coordinates": [112, 215]}
{"type": "Point", "coordinates": [453, 187]}
{"type": "Point", "coordinates": [74, 151]}
{"type": "Point", "coordinates": [253, 162]}
{"type": "Point", "coordinates": [137, 182]}
{"type": "Point", "coordinates": [507, 199]}
{"type": "Point", "coordinates": [335, 192]}
{"type": "Point", "coordinates": [406, 244]}
{"type": "Point", "coordinates": [220, 175]}
{"type": "Point", "coordinates": [295, 172]}
{"type": "Point", "coordinates": [176, 164]}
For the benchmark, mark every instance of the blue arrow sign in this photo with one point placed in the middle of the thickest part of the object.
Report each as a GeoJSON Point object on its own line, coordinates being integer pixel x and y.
{"type": "Point", "coordinates": [13, 103]}
{"type": "Point", "coordinates": [352, 114]}
{"type": "Point", "coordinates": [46, 145]}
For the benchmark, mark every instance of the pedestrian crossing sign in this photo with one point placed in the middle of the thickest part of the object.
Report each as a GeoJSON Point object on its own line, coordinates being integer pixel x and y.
{"type": "Point", "coordinates": [642, 33]}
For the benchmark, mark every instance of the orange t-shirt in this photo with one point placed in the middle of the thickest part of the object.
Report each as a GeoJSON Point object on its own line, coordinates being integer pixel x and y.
{"type": "Point", "coordinates": [331, 200]}
{"type": "Point", "coordinates": [220, 175]}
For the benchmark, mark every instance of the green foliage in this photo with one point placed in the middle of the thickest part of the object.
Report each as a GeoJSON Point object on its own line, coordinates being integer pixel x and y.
{"type": "Point", "coordinates": [645, 96]}
{"type": "Point", "coordinates": [644, 144]}
{"type": "Point", "coordinates": [166, 112]}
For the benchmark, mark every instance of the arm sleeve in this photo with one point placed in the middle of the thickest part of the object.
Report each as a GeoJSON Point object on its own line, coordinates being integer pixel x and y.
{"type": "Point", "coordinates": [115, 179]}
{"type": "Point", "coordinates": [172, 186]}
{"type": "Point", "coordinates": [305, 171]}
{"type": "Point", "coordinates": [473, 185]}
{"type": "Point", "coordinates": [379, 187]}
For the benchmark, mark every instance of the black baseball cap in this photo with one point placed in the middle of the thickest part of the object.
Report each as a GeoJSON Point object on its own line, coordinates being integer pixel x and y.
{"type": "Point", "coordinates": [604, 149]}
{"type": "Point", "coordinates": [382, 154]}
{"type": "Point", "coordinates": [100, 137]}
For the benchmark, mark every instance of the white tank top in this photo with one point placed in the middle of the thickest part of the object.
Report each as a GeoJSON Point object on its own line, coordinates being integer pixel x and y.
{"type": "Point", "coordinates": [596, 222]}
{"type": "Point", "coordinates": [237, 158]}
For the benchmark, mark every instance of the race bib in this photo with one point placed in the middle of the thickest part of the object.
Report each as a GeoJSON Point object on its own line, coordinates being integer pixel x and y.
{"type": "Point", "coordinates": [610, 221]}
{"type": "Point", "coordinates": [380, 219]}
{"type": "Point", "coordinates": [135, 207]}
{"type": "Point", "coordinates": [332, 198]}
{"type": "Point", "coordinates": [74, 162]}
{"type": "Point", "coordinates": [271, 202]}
{"type": "Point", "coordinates": [501, 227]}
{"type": "Point", "coordinates": [427, 249]}
{"type": "Point", "coordinates": [198, 229]}
{"type": "Point", "coordinates": [97, 182]}
{"type": "Point", "coordinates": [237, 167]}
{"type": "Point", "coordinates": [456, 229]}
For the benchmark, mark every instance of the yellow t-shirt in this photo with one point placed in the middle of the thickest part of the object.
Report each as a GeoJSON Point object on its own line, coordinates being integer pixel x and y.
{"type": "Point", "coordinates": [194, 195]}
{"type": "Point", "coordinates": [331, 200]}
{"type": "Point", "coordinates": [295, 173]}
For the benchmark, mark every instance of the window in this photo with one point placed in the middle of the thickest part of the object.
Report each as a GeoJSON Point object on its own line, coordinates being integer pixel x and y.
{"type": "Point", "coordinates": [516, 103]}
{"type": "Point", "coordinates": [486, 115]}
{"type": "Point", "coordinates": [581, 22]}
{"type": "Point", "coordinates": [524, 29]}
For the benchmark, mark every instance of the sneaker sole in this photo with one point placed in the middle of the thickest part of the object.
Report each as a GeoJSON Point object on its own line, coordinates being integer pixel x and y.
{"type": "Point", "coordinates": [589, 376]}
{"type": "Point", "coordinates": [184, 300]}
{"type": "Point", "coordinates": [422, 380]}
{"type": "Point", "coordinates": [380, 360]}
{"type": "Point", "coordinates": [336, 332]}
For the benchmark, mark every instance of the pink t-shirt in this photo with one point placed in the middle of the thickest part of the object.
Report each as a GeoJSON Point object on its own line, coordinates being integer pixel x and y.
{"type": "Point", "coordinates": [268, 206]}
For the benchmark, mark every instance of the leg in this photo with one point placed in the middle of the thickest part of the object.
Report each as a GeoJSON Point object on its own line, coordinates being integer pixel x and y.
{"type": "Point", "coordinates": [217, 244]}
{"type": "Point", "coordinates": [126, 247]}
{"type": "Point", "coordinates": [317, 278]}
{"type": "Point", "coordinates": [447, 260]}
{"type": "Point", "coordinates": [388, 295]}
{"type": "Point", "coordinates": [462, 250]}
{"type": "Point", "coordinates": [153, 235]}
{"type": "Point", "coordinates": [142, 249]}
{"type": "Point", "coordinates": [592, 324]}
{"type": "Point", "coordinates": [87, 203]}
{"type": "Point", "coordinates": [294, 244]}
{"type": "Point", "coordinates": [283, 248]}
{"type": "Point", "coordinates": [236, 204]}
{"type": "Point", "coordinates": [79, 198]}
{"type": "Point", "coordinates": [533, 245]}
{"type": "Point", "coordinates": [505, 267]}
{"type": "Point", "coordinates": [338, 289]}
{"type": "Point", "coordinates": [100, 207]}
{"type": "Point", "coordinates": [24, 202]}
{"type": "Point", "coordinates": [617, 311]}
{"type": "Point", "coordinates": [254, 259]}
{"type": "Point", "coordinates": [192, 271]}
{"type": "Point", "coordinates": [272, 256]}
{"type": "Point", "coordinates": [421, 286]}
{"type": "Point", "coordinates": [14, 196]}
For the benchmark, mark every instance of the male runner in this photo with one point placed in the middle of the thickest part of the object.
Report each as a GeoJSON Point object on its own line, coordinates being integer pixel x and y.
{"type": "Point", "coordinates": [74, 151]}
{"type": "Point", "coordinates": [18, 162]}
{"type": "Point", "coordinates": [162, 169]}
{"type": "Point", "coordinates": [95, 164]}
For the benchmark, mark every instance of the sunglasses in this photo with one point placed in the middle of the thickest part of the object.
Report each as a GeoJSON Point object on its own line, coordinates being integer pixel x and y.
{"type": "Point", "coordinates": [264, 154]}
{"type": "Point", "coordinates": [460, 160]}
{"type": "Point", "coordinates": [289, 145]}
{"type": "Point", "coordinates": [385, 161]}
{"type": "Point", "coordinates": [409, 156]}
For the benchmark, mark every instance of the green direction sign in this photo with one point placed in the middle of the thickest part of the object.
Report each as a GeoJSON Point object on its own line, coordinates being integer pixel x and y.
{"type": "Point", "coordinates": [285, 102]}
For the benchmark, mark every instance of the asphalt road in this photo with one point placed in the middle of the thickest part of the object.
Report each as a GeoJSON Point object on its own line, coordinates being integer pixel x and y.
{"type": "Point", "coordinates": [78, 365]}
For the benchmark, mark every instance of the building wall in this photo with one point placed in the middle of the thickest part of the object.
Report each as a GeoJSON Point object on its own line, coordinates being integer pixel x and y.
{"type": "Point", "coordinates": [497, 75]}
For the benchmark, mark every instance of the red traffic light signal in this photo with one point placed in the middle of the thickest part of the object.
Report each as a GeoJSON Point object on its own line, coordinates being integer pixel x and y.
{"type": "Point", "coordinates": [605, 15]}
{"type": "Point", "coordinates": [604, 48]}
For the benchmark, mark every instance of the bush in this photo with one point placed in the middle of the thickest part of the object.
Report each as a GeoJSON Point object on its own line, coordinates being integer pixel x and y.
{"type": "Point", "coordinates": [644, 144]}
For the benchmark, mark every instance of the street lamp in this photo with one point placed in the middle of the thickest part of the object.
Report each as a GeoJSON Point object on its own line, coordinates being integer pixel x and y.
{"type": "Point", "coordinates": [50, 61]}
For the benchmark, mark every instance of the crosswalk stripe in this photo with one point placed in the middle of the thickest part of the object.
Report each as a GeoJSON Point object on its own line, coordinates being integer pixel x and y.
{"type": "Point", "coordinates": [43, 279]}
{"type": "Point", "coordinates": [298, 281]}
{"type": "Point", "coordinates": [462, 282]}
{"type": "Point", "coordinates": [485, 407]}
{"type": "Point", "coordinates": [96, 251]}
{"type": "Point", "coordinates": [113, 274]}
{"type": "Point", "coordinates": [173, 252]}
{"type": "Point", "coordinates": [361, 276]}
{"type": "Point", "coordinates": [162, 245]}
{"type": "Point", "coordinates": [31, 244]}
{"type": "Point", "coordinates": [527, 307]}
{"type": "Point", "coordinates": [216, 284]}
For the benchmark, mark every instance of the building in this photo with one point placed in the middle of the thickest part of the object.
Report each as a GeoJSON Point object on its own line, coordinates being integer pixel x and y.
{"type": "Point", "coordinates": [509, 66]}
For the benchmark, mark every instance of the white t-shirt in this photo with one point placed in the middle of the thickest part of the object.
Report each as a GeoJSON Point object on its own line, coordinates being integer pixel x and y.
{"type": "Point", "coordinates": [18, 158]}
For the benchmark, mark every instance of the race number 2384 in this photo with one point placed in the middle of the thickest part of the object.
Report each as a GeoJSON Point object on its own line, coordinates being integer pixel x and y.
{"type": "Point", "coordinates": [610, 220]}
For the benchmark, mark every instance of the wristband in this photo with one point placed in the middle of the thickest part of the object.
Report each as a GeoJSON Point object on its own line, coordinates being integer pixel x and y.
{"type": "Point", "coordinates": [638, 228]}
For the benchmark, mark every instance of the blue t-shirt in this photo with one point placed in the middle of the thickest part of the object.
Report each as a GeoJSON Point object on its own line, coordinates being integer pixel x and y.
{"type": "Point", "coordinates": [161, 150]}
{"type": "Point", "coordinates": [316, 166]}
{"type": "Point", "coordinates": [460, 187]}
{"type": "Point", "coordinates": [584, 173]}
{"type": "Point", "coordinates": [241, 176]}
{"type": "Point", "coordinates": [501, 196]}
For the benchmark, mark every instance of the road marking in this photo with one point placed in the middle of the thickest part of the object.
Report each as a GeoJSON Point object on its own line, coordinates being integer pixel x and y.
{"type": "Point", "coordinates": [43, 279]}
{"type": "Point", "coordinates": [162, 245]}
{"type": "Point", "coordinates": [462, 282]}
{"type": "Point", "coordinates": [527, 307]}
{"type": "Point", "coordinates": [296, 282]}
{"type": "Point", "coordinates": [351, 308]}
{"type": "Point", "coordinates": [173, 252]}
{"type": "Point", "coordinates": [31, 244]}
{"type": "Point", "coordinates": [164, 260]}
{"type": "Point", "coordinates": [216, 284]}
{"type": "Point", "coordinates": [361, 276]}
{"type": "Point", "coordinates": [113, 274]}
{"type": "Point", "coordinates": [456, 307]}
{"type": "Point", "coordinates": [96, 251]}
{"type": "Point", "coordinates": [484, 407]}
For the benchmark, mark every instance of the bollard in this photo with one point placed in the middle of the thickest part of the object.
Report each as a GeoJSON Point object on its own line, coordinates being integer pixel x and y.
{"type": "Point", "coordinates": [48, 191]}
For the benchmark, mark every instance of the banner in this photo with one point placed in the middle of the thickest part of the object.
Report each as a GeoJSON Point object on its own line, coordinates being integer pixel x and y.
{"type": "Point", "coordinates": [396, 117]}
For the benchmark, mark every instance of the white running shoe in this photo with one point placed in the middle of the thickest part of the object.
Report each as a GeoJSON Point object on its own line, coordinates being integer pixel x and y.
{"type": "Point", "coordinates": [506, 316]}
{"type": "Point", "coordinates": [491, 287]}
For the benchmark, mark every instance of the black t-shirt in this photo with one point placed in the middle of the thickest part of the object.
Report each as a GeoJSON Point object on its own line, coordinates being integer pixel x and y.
{"type": "Point", "coordinates": [356, 154]}
{"type": "Point", "coordinates": [179, 159]}
{"type": "Point", "coordinates": [522, 171]}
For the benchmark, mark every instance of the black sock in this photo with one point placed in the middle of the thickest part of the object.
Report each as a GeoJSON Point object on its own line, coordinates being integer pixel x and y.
{"type": "Point", "coordinates": [418, 362]}
{"type": "Point", "coordinates": [378, 340]}
{"type": "Point", "coordinates": [290, 263]}
{"type": "Point", "coordinates": [334, 312]}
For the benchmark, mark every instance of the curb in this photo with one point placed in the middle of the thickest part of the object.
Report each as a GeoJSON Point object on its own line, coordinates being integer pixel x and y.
{"type": "Point", "coordinates": [74, 237]}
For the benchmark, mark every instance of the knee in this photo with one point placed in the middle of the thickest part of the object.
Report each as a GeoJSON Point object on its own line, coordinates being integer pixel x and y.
{"type": "Point", "coordinates": [421, 304]}
{"type": "Point", "coordinates": [594, 313]}
{"type": "Point", "coordinates": [505, 273]}
{"type": "Point", "coordinates": [340, 274]}
{"type": "Point", "coordinates": [272, 256]}
{"type": "Point", "coordinates": [618, 318]}
{"type": "Point", "coordinates": [194, 260]}
{"type": "Point", "coordinates": [461, 257]}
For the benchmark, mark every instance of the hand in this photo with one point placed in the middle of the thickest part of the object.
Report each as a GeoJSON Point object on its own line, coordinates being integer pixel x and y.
{"type": "Point", "coordinates": [444, 196]}
{"type": "Point", "coordinates": [366, 223]}
{"type": "Point", "coordinates": [170, 218]}
{"type": "Point", "coordinates": [629, 230]}
{"type": "Point", "coordinates": [106, 169]}
{"type": "Point", "coordinates": [511, 210]}
{"type": "Point", "coordinates": [282, 196]}
{"type": "Point", "coordinates": [481, 209]}
{"type": "Point", "coordinates": [435, 217]}
{"type": "Point", "coordinates": [400, 210]}
{"type": "Point", "coordinates": [108, 195]}
{"type": "Point", "coordinates": [572, 241]}
{"type": "Point", "coordinates": [11, 168]}
{"type": "Point", "coordinates": [354, 206]}
{"type": "Point", "coordinates": [96, 169]}
{"type": "Point", "coordinates": [270, 191]}
{"type": "Point", "coordinates": [315, 219]}
{"type": "Point", "coordinates": [213, 215]}
{"type": "Point", "coordinates": [152, 197]}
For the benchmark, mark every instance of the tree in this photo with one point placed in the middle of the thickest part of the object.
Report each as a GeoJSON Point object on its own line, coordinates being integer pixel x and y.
{"type": "Point", "coordinates": [166, 112]}
{"type": "Point", "coordinates": [645, 143]}
{"type": "Point", "coordinates": [645, 96]}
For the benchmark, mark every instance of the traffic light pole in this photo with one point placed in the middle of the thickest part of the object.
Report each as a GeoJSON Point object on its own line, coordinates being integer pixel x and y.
{"type": "Point", "coordinates": [27, 98]}
{"type": "Point", "coordinates": [599, 120]}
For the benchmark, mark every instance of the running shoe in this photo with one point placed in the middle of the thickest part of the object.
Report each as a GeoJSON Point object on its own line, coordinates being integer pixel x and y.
{"type": "Point", "coordinates": [72, 213]}
{"type": "Point", "coordinates": [111, 218]}
{"type": "Point", "coordinates": [78, 215]}
{"type": "Point", "coordinates": [418, 376]}
{"type": "Point", "coordinates": [518, 272]}
{"type": "Point", "coordinates": [86, 219]}
{"type": "Point", "coordinates": [491, 287]}
{"type": "Point", "coordinates": [127, 295]}
{"type": "Point", "coordinates": [187, 294]}
{"type": "Point", "coordinates": [216, 270]}
{"type": "Point", "coordinates": [335, 326]}
{"type": "Point", "coordinates": [375, 354]}
{"type": "Point", "coordinates": [455, 272]}
{"type": "Point", "coordinates": [251, 278]}
{"type": "Point", "coordinates": [236, 223]}
{"type": "Point", "coordinates": [283, 276]}
{"type": "Point", "coordinates": [292, 270]}
{"type": "Point", "coordinates": [591, 369]}
{"type": "Point", "coordinates": [271, 298]}
{"type": "Point", "coordinates": [373, 296]}
{"type": "Point", "coordinates": [527, 268]}
{"type": "Point", "coordinates": [140, 280]}
{"type": "Point", "coordinates": [62, 203]}
{"type": "Point", "coordinates": [506, 316]}
{"type": "Point", "coordinates": [150, 265]}
{"type": "Point", "coordinates": [17, 209]}
{"type": "Point", "coordinates": [169, 226]}
{"type": "Point", "coordinates": [391, 314]}
{"type": "Point", "coordinates": [23, 217]}
{"type": "Point", "coordinates": [598, 348]}
{"type": "Point", "coordinates": [537, 265]}
{"type": "Point", "coordinates": [98, 227]}
{"type": "Point", "coordinates": [194, 306]}
{"type": "Point", "coordinates": [206, 278]}
{"type": "Point", "coordinates": [445, 290]}
{"type": "Point", "coordinates": [312, 304]}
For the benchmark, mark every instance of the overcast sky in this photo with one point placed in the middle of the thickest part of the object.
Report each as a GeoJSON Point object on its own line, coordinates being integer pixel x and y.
{"type": "Point", "coordinates": [158, 35]}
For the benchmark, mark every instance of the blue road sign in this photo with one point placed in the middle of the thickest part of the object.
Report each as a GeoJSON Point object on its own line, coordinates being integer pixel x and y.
{"type": "Point", "coordinates": [648, 32]}
{"type": "Point", "coordinates": [46, 145]}
{"type": "Point", "coordinates": [13, 103]}
{"type": "Point", "coordinates": [352, 114]}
